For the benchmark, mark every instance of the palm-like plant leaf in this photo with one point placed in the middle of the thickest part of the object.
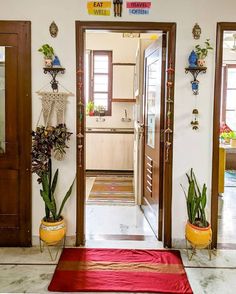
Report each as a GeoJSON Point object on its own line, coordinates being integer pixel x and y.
{"type": "Point", "coordinates": [65, 199]}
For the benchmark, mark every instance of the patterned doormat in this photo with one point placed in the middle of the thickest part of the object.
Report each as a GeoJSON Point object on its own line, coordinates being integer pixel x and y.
{"type": "Point", "coordinates": [112, 190]}
{"type": "Point", "coordinates": [230, 178]}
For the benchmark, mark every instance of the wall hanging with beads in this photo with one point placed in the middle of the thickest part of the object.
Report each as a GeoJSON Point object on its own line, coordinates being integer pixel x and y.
{"type": "Point", "coordinates": [196, 66]}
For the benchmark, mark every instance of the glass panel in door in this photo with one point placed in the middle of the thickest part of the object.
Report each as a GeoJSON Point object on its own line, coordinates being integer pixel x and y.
{"type": "Point", "coordinates": [152, 80]}
{"type": "Point", "coordinates": [2, 101]}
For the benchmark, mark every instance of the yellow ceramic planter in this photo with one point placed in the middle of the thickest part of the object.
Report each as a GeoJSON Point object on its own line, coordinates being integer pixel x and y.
{"type": "Point", "coordinates": [198, 237]}
{"type": "Point", "coordinates": [52, 232]}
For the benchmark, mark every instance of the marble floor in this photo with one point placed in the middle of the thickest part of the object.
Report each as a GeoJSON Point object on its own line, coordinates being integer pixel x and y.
{"type": "Point", "coordinates": [227, 217]}
{"type": "Point", "coordinates": [26, 270]}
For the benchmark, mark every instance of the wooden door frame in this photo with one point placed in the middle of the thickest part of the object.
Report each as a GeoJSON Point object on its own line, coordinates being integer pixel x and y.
{"type": "Point", "coordinates": [221, 27]}
{"type": "Point", "coordinates": [81, 27]}
{"type": "Point", "coordinates": [23, 31]}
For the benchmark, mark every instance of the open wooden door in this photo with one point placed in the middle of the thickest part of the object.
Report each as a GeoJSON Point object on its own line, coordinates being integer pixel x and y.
{"type": "Point", "coordinates": [15, 138]}
{"type": "Point", "coordinates": [155, 69]}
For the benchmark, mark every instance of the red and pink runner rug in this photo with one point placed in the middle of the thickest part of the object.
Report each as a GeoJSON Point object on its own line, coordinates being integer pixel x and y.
{"type": "Point", "coordinates": [120, 270]}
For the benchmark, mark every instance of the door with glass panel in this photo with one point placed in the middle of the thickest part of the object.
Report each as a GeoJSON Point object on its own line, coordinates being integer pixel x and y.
{"type": "Point", "coordinates": [154, 123]}
{"type": "Point", "coordinates": [15, 139]}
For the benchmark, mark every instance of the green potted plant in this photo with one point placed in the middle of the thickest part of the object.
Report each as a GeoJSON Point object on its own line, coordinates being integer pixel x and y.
{"type": "Point", "coordinates": [100, 110]}
{"type": "Point", "coordinates": [226, 136]}
{"type": "Point", "coordinates": [90, 108]}
{"type": "Point", "coordinates": [198, 230]}
{"type": "Point", "coordinates": [202, 52]}
{"type": "Point", "coordinates": [46, 140]}
{"type": "Point", "coordinates": [48, 53]}
{"type": "Point", "coordinates": [233, 139]}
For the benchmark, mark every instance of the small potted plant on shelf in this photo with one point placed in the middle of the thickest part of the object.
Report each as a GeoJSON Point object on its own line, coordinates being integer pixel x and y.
{"type": "Point", "coordinates": [48, 53]}
{"type": "Point", "coordinates": [198, 230]}
{"type": "Point", "coordinates": [233, 139]}
{"type": "Point", "coordinates": [45, 141]}
{"type": "Point", "coordinates": [202, 53]}
{"type": "Point", "coordinates": [90, 108]}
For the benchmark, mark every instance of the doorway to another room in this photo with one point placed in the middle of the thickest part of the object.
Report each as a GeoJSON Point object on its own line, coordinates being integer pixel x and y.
{"type": "Point", "coordinates": [122, 118]}
{"type": "Point", "coordinates": [224, 153]}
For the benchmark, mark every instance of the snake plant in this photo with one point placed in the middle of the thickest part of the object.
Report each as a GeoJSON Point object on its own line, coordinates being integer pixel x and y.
{"type": "Point", "coordinates": [48, 194]}
{"type": "Point", "coordinates": [196, 199]}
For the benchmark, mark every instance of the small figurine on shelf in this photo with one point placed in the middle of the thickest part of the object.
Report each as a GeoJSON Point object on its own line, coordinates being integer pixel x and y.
{"type": "Point", "coordinates": [192, 59]}
{"type": "Point", "coordinates": [56, 62]}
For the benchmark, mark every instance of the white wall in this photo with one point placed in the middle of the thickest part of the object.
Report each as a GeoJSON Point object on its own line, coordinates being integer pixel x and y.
{"type": "Point", "coordinates": [123, 51]}
{"type": "Point", "coordinates": [191, 149]}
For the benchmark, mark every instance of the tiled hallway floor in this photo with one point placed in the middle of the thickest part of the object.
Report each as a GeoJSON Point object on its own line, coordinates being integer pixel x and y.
{"type": "Point", "coordinates": [26, 270]}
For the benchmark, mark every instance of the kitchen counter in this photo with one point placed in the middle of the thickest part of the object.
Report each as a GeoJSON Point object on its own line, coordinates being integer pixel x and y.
{"type": "Point", "coordinates": [110, 130]}
{"type": "Point", "coordinates": [109, 148]}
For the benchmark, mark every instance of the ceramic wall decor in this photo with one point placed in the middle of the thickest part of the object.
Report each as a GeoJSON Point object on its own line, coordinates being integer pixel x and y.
{"type": "Point", "coordinates": [53, 29]}
{"type": "Point", "coordinates": [196, 31]}
{"type": "Point", "coordinates": [192, 59]}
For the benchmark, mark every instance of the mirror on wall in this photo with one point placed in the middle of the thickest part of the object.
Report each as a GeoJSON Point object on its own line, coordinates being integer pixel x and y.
{"type": "Point", "coordinates": [2, 100]}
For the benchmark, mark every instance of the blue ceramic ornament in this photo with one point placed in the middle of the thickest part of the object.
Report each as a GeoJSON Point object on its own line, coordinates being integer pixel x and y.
{"type": "Point", "coordinates": [56, 62]}
{"type": "Point", "coordinates": [195, 87]}
{"type": "Point", "coordinates": [192, 59]}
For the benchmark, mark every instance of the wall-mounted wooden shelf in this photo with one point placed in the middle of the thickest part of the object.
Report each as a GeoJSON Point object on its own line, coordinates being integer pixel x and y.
{"type": "Point", "coordinates": [123, 100]}
{"type": "Point", "coordinates": [123, 63]}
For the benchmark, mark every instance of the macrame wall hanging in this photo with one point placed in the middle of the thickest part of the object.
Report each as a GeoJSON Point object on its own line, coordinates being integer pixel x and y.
{"type": "Point", "coordinates": [53, 101]}
{"type": "Point", "coordinates": [53, 104]}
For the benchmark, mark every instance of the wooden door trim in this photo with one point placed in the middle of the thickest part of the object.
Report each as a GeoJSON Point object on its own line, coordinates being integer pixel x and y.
{"type": "Point", "coordinates": [221, 27]}
{"type": "Point", "coordinates": [81, 27]}
{"type": "Point", "coordinates": [23, 31]}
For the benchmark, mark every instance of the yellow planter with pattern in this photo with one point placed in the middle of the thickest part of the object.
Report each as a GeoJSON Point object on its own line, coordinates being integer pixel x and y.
{"type": "Point", "coordinates": [198, 237]}
{"type": "Point", "coordinates": [52, 232]}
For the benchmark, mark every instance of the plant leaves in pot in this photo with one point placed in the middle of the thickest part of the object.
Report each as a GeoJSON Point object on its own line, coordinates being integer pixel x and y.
{"type": "Point", "coordinates": [202, 52]}
{"type": "Point", "coordinates": [198, 230]}
{"type": "Point", "coordinates": [48, 53]}
{"type": "Point", "coordinates": [44, 142]}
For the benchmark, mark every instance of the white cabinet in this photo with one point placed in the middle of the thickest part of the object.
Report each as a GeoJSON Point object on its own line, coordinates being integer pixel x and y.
{"type": "Point", "coordinates": [109, 151]}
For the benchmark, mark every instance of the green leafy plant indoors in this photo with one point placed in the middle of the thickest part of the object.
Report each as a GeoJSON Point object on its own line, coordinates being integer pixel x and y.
{"type": "Point", "coordinates": [233, 135]}
{"type": "Point", "coordinates": [47, 141]}
{"type": "Point", "coordinates": [196, 199]}
{"type": "Point", "coordinates": [47, 51]}
{"type": "Point", "coordinates": [228, 135]}
{"type": "Point", "coordinates": [202, 52]}
{"type": "Point", "coordinates": [48, 194]}
{"type": "Point", "coordinates": [90, 108]}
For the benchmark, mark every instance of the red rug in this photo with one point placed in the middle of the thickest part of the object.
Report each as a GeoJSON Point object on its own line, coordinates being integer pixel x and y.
{"type": "Point", "coordinates": [120, 270]}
